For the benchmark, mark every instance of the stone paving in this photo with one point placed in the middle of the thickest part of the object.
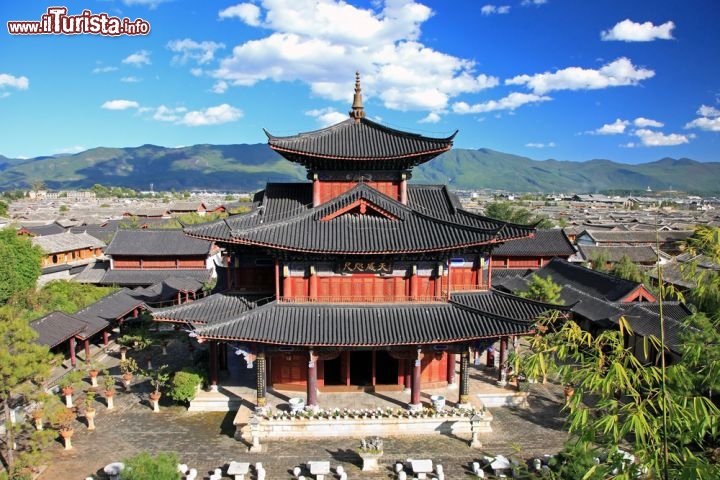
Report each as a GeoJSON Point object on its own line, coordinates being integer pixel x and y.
{"type": "Point", "coordinates": [205, 440]}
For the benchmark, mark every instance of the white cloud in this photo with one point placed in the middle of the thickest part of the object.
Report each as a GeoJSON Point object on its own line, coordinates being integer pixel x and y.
{"type": "Point", "coordinates": [130, 79]}
{"type": "Point", "coordinates": [120, 104]}
{"type": "Point", "coordinates": [105, 69]}
{"type": "Point", "coordinates": [510, 102]}
{"type": "Point", "coordinates": [709, 119]}
{"type": "Point", "coordinates": [211, 116]}
{"type": "Point", "coordinates": [540, 145]}
{"type": "Point", "coordinates": [620, 72]}
{"type": "Point", "coordinates": [220, 87]}
{"type": "Point", "coordinates": [652, 138]}
{"type": "Point", "coordinates": [495, 9]}
{"type": "Point", "coordinates": [11, 81]}
{"type": "Point", "coordinates": [615, 128]}
{"type": "Point", "coordinates": [73, 149]}
{"type": "Point", "coordinates": [708, 111]}
{"type": "Point", "coordinates": [533, 2]}
{"type": "Point", "coordinates": [152, 4]}
{"type": "Point", "coordinates": [643, 122]}
{"type": "Point", "coordinates": [139, 58]}
{"type": "Point", "coordinates": [629, 31]}
{"type": "Point", "coordinates": [320, 42]}
{"type": "Point", "coordinates": [432, 117]}
{"type": "Point", "coordinates": [247, 12]}
{"type": "Point", "coordinates": [327, 116]}
{"type": "Point", "coordinates": [168, 114]}
{"type": "Point", "coordinates": [187, 49]}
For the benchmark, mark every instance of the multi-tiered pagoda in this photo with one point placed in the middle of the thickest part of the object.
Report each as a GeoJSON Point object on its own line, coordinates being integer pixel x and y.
{"type": "Point", "coordinates": [357, 278]}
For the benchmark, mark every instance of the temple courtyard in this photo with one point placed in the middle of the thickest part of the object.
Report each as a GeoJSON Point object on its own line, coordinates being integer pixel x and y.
{"type": "Point", "coordinates": [206, 440]}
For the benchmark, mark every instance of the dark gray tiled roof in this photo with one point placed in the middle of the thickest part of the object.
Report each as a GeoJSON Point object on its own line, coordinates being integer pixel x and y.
{"type": "Point", "coordinates": [147, 277]}
{"type": "Point", "coordinates": [173, 243]}
{"type": "Point", "coordinates": [361, 325]}
{"type": "Point", "coordinates": [66, 242]}
{"type": "Point", "coordinates": [167, 290]}
{"type": "Point", "coordinates": [636, 253]}
{"type": "Point", "coordinates": [648, 237]}
{"type": "Point", "coordinates": [644, 319]}
{"type": "Point", "coordinates": [591, 282]}
{"type": "Point", "coordinates": [504, 304]}
{"type": "Point", "coordinates": [547, 243]}
{"type": "Point", "coordinates": [409, 231]}
{"type": "Point", "coordinates": [364, 144]}
{"type": "Point", "coordinates": [56, 327]}
{"type": "Point", "coordinates": [102, 313]}
{"type": "Point", "coordinates": [49, 229]}
{"type": "Point", "coordinates": [216, 308]}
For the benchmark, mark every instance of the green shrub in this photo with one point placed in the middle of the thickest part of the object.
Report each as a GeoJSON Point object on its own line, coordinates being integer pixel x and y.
{"type": "Point", "coordinates": [184, 385]}
{"type": "Point", "coordinates": [145, 467]}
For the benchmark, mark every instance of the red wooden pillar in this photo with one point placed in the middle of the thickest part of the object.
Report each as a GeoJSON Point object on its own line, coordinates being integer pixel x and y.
{"type": "Point", "coordinates": [414, 283]}
{"type": "Point", "coordinates": [416, 383]}
{"type": "Point", "coordinates": [374, 368]}
{"type": "Point", "coordinates": [213, 366]}
{"type": "Point", "coordinates": [287, 283]}
{"type": "Point", "coordinates": [106, 338]}
{"type": "Point", "coordinates": [87, 350]}
{"type": "Point", "coordinates": [312, 380]}
{"type": "Point", "coordinates": [451, 368]}
{"type": "Point", "coordinates": [407, 380]}
{"type": "Point", "coordinates": [73, 360]}
{"type": "Point", "coordinates": [277, 280]}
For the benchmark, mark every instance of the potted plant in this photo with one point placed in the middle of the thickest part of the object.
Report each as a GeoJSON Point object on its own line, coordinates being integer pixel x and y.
{"type": "Point", "coordinates": [90, 409]}
{"type": "Point", "coordinates": [67, 385]}
{"type": "Point", "coordinates": [128, 367]}
{"type": "Point", "coordinates": [159, 378]}
{"type": "Point", "coordinates": [93, 372]}
{"type": "Point", "coordinates": [109, 383]}
{"type": "Point", "coordinates": [370, 452]}
{"type": "Point", "coordinates": [63, 419]}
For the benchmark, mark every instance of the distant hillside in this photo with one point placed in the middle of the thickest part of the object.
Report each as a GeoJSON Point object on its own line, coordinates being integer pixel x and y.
{"type": "Point", "coordinates": [249, 167]}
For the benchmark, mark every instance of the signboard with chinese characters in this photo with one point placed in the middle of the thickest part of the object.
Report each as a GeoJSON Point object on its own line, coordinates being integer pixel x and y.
{"type": "Point", "coordinates": [365, 267]}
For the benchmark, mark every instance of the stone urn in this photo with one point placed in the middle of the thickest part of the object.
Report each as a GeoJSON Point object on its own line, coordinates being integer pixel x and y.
{"type": "Point", "coordinates": [37, 416]}
{"type": "Point", "coordinates": [123, 353]}
{"type": "Point", "coordinates": [66, 434]}
{"type": "Point", "coordinates": [67, 393]}
{"type": "Point", "coordinates": [370, 460]}
{"type": "Point", "coordinates": [127, 379]}
{"type": "Point", "coordinates": [93, 377]}
{"type": "Point", "coordinates": [110, 397]}
{"type": "Point", "coordinates": [90, 417]}
{"type": "Point", "coordinates": [155, 398]}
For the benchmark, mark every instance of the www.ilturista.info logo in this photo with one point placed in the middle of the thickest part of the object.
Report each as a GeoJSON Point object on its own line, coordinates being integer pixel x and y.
{"type": "Point", "coordinates": [57, 22]}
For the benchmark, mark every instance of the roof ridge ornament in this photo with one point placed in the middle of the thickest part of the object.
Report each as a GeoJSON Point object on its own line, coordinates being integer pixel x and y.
{"type": "Point", "coordinates": [358, 111]}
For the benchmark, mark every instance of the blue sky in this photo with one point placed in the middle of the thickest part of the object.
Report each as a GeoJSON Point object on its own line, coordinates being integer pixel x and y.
{"type": "Point", "coordinates": [628, 80]}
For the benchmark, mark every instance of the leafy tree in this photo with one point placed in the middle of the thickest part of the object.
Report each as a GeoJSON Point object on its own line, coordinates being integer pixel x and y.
{"type": "Point", "coordinates": [20, 262]}
{"type": "Point", "coordinates": [24, 364]}
{"type": "Point", "coordinates": [3, 209]}
{"type": "Point", "coordinates": [543, 290]}
{"type": "Point", "coordinates": [599, 261]}
{"type": "Point", "coordinates": [508, 212]}
{"type": "Point", "coordinates": [144, 466]}
{"type": "Point", "coordinates": [61, 295]}
{"type": "Point", "coordinates": [627, 269]}
{"type": "Point", "coordinates": [672, 428]}
{"type": "Point", "coordinates": [705, 243]}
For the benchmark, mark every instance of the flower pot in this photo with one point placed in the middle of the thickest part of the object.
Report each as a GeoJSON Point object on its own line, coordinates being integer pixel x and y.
{"type": "Point", "coordinates": [370, 461]}
{"type": "Point", "coordinates": [155, 398]}
{"type": "Point", "coordinates": [38, 418]}
{"type": "Point", "coordinates": [90, 416]}
{"type": "Point", "coordinates": [93, 377]}
{"type": "Point", "coordinates": [109, 394]}
{"type": "Point", "coordinates": [127, 378]}
{"type": "Point", "coordinates": [66, 434]}
{"type": "Point", "coordinates": [438, 401]}
{"type": "Point", "coordinates": [67, 393]}
{"type": "Point", "coordinates": [123, 353]}
{"type": "Point", "coordinates": [568, 391]}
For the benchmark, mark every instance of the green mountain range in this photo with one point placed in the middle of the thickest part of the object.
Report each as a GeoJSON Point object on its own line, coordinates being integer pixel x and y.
{"type": "Point", "coordinates": [248, 167]}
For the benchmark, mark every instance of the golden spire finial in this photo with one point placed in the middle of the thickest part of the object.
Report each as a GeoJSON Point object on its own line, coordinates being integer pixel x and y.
{"type": "Point", "coordinates": [357, 111]}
